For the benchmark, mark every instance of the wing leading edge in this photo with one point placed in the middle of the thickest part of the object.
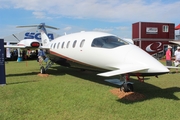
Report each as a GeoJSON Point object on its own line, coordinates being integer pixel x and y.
{"type": "Point", "coordinates": [123, 70]}
{"type": "Point", "coordinates": [14, 46]}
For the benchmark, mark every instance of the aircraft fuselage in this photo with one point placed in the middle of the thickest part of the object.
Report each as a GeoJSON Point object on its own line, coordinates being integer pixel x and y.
{"type": "Point", "coordinates": [89, 50]}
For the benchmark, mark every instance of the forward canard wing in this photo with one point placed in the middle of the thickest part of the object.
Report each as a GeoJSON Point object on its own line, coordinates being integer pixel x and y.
{"type": "Point", "coordinates": [123, 70]}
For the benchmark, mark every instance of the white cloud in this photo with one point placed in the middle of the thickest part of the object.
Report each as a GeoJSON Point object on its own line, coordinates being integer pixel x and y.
{"type": "Point", "coordinates": [122, 28]}
{"type": "Point", "coordinates": [67, 28]}
{"type": "Point", "coordinates": [103, 30]}
{"type": "Point", "coordinates": [120, 11]}
{"type": "Point", "coordinates": [111, 10]}
{"type": "Point", "coordinates": [4, 4]}
{"type": "Point", "coordinates": [39, 14]}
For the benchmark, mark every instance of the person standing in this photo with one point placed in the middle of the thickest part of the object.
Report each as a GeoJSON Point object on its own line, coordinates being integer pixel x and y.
{"type": "Point", "coordinates": [177, 58]}
{"type": "Point", "coordinates": [168, 56]}
{"type": "Point", "coordinates": [41, 56]}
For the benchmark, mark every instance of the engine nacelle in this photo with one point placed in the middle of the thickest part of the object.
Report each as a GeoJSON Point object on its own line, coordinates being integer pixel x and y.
{"type": "Point", "coordinates": [35, 44]}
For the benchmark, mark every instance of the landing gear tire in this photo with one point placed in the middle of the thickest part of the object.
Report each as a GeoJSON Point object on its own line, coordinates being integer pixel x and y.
{"type": "Point", "coordinates": [127, 87]}
{"type": "Point", "coordinates": [122, 88]}
{"type": "Point", "coordinates": [42, 70]}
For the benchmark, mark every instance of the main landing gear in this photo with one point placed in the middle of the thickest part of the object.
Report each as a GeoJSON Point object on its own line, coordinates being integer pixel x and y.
{"type": "Point", "coordinates": [126, 86]}
{"type": "Point", "coordinates": [43, 69]}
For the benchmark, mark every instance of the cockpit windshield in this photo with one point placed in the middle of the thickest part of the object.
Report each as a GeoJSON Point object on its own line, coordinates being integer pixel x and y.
{"type": "Point", "coordinates": [108, 42]}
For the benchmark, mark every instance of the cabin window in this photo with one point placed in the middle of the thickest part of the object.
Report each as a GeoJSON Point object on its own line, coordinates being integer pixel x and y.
{"type": "Point", "coordinates": [58, 45]}
{"type": "Point", "coordinates": [62, 45]}
{"type": "Point", "coordinates": [74, 43]}
{"type": "Point", "coordinates": [54, 45]}
{"type": "Point", "coordinates": [108, 42]}
{"type": "Point", "coordinates": [68, 44]}
{"type": "Point", "coordinates": [51, 45]}
{"type": "Point", "coordinates": [82, 43]}
{"type": "Point", "coordinates": [165, 28]}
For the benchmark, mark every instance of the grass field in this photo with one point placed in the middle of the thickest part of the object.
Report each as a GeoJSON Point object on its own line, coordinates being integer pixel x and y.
{"type": "Point", "coordinates": [69, 94]}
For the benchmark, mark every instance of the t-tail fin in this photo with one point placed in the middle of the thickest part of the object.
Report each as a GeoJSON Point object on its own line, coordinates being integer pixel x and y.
{"type": "Point", "coordinates": [42, 27]}
{"type": "Point", "coordinates": [44, 38]}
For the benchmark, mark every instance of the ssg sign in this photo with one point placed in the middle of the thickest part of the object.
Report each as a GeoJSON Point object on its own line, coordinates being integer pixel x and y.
{"type": "Point", "coordinates": [37, 36]}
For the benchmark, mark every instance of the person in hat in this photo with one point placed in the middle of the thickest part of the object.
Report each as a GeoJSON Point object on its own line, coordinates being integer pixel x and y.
{"type": "Point", "coordinates": [168, 56]}
{"type": "Point", "coordinates": [177, 58]}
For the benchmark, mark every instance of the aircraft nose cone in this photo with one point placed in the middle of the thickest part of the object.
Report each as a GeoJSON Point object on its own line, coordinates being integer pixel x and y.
{"type": "Point", "coordinates": [139, 56]}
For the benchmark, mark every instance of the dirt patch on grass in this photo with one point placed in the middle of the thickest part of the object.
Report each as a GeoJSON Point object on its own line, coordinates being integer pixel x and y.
{"type": "Point", "coordinates": [43, 75]}
{"type": "Point", "coordinates": [131, 96]}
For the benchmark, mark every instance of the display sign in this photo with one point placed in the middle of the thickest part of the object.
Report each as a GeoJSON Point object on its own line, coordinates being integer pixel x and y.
{"type": "Point", "coordinates": [37, 36]}
{"type": "Point", "coordinates": [2, 63]}
{"type": "Point", "coordinates": [151, 30]}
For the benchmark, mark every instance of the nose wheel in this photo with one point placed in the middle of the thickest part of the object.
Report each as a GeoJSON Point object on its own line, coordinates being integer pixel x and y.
{"type": "Point", "coordinates": [127, 87]}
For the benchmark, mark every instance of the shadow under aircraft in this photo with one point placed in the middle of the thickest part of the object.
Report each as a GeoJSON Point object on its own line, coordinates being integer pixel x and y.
{"type": "Point", "coordinates": [150, 91]}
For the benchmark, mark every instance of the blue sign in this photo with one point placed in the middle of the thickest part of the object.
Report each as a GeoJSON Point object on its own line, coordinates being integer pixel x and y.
{"type": "Point", "coordinates": [2, 63]}
{"type": "Point", "coordinates": [32, 35]}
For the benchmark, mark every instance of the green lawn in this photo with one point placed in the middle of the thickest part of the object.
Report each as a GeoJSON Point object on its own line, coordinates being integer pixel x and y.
{"type": "Point", "coordinates": [69, 94]}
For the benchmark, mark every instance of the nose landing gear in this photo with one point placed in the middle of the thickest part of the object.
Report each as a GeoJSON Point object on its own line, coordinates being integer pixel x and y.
{"type": "Point", "coordinates": [126, 86]}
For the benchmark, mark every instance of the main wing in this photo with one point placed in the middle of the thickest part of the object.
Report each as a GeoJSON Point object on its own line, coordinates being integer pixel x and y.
{"type": "Point", "coordinates": [123, 69]}
{"type": "Point", "coordinates": [25, 44]}
{"type": "Point", "coordinates": [14, 46]}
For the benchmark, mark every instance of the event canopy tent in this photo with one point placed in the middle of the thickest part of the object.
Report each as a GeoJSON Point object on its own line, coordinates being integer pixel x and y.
{"type": "Point", "coordinates": [177, 27]}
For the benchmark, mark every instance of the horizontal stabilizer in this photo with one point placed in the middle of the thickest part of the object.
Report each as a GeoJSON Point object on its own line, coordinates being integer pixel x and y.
{"type": "Point", "coordinates": [27, 26]}
{"type": "Point", "coordinates": [123, 70]}
{"type": "Point", "coordinates": [51, 27]}
{"type": "Point", "coordinates": [39, 25]}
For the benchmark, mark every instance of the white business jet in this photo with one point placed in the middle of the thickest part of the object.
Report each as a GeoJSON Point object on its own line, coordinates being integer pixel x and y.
{"type": "Point", "coordinates": [103, 52]}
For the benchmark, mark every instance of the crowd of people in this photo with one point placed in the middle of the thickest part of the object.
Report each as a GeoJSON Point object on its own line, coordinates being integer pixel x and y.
{"type": "Point", "coordinates": [29, 55]}
{"type": "Point", "coordinates": [169, 59]}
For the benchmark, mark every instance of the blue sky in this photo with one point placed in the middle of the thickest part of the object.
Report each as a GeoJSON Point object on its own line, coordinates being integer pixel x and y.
{"type": "Point", "coordinates": [112, 16]}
